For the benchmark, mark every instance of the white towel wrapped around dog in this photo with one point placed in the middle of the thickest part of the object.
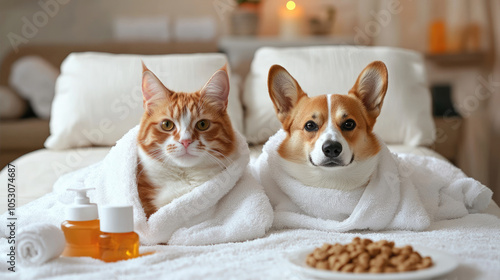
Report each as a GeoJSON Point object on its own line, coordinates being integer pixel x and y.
{"type": "Point", "coordinates": [406, 192]}
{"type": "Point", "coordinates": [230, 207]}
{"type": "Point", "coordinates": [39, 243]}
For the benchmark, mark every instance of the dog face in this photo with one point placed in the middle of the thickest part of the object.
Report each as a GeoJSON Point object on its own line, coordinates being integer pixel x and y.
{"type": "Point", "coordinates": [328, 132]}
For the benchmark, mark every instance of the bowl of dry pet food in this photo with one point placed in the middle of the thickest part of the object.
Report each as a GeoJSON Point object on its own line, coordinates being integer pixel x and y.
{"type": "Point", "coordinates": [367, 259]}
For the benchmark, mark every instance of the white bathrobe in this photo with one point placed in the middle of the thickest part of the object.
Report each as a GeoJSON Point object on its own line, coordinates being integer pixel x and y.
{"type": "Point", "coordinates": [406, 192]}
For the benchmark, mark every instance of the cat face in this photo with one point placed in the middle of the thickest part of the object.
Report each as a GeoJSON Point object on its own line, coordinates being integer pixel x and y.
{"type": "Point", "coordinates": [186, 129]}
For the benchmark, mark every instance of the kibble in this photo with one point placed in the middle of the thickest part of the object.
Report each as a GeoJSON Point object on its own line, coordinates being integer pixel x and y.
{"type": "Point", "coordinates": [366, 256]}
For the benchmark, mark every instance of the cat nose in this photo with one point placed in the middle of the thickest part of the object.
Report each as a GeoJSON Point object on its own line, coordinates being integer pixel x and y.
{"type": "Point", "coordinates": [186, 142]}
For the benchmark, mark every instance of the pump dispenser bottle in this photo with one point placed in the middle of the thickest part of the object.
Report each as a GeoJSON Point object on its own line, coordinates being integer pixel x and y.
{"type": "Point", "coordinates": [81, 228]}
{"type": "Point", "coordinates": [117, 241]}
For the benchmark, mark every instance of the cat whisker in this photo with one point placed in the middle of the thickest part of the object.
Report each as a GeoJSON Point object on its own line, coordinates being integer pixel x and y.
{"type": "Point", "coordinates": [222, 155]}
{"type": "Point", "coordinates": [225, 160]}
{"type": "Point", "coordinates": [215, 160]}
{"type": "Point", "coordinates": [155, 153]}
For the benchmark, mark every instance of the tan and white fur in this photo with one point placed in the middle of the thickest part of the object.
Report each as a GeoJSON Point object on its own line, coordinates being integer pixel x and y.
{"type": "Point", "coordinates": [330, 141]}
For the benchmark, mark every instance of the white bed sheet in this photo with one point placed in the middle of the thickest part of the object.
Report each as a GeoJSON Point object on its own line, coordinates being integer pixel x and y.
{"type": "Point", "coordinates": [473, 240]}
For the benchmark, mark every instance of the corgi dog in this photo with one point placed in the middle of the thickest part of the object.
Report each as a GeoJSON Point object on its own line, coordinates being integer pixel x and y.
{"type": "Point", "coordinates": [329, 138]}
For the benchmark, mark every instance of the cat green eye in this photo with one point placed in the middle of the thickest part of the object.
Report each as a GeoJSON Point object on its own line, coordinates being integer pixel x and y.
{"type": "Point", "coordinates": [167, 125]}
{"type": "Point", "coordinates": [203, 125]}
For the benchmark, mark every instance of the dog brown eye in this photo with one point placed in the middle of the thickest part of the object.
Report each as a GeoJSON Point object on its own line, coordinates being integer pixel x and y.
{"type": "Point", "coordinates": [167, 125]}
{"type": "Point", "coordinates": [311, 126]}
{"type": "Point", "coordinates": [348, 125]}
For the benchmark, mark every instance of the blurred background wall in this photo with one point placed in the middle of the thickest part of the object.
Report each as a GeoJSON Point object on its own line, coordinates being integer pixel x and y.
{"type": "Point", "coordinates": [77, 21]}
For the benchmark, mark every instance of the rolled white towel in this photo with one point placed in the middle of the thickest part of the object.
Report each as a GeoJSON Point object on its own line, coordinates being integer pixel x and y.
{"type": "Point", "coordinates": [39, 243]}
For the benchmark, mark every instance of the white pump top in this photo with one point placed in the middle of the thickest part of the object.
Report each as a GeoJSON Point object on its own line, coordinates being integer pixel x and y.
{"type": "Point", "coordinates": [82, 209]}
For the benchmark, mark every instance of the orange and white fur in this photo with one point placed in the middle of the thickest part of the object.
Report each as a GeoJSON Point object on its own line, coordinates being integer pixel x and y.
{"type": "Point", "coordinates": [329, 138]}
{"type": "Point", "coordinates": [184, 139]}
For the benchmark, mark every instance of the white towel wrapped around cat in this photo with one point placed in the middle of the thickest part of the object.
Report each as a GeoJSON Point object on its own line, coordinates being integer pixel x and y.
{"type": "Point", "coordinates": [407, 192]}
{"type": "Point", "coordinates": [230, 207]}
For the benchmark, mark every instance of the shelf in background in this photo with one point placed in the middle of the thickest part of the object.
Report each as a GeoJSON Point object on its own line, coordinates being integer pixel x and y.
{"type": "Point", "coordinates": [255, 42]}
{"type": "Point", "coordinates": [454, 59]}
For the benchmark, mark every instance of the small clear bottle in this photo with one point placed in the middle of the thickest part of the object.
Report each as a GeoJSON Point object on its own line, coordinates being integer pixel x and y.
{"type": "Point", "coordinates": [81, 228]}
{"type": "Point", "coordinates": [117, 240]}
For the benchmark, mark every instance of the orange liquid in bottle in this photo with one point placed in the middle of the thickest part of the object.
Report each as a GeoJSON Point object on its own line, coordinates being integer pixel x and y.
{"type": "Point", "coordinates": [82, 238]}
{"type": "Point", "coordinates": [437, 37]}
{"type": "Point", "coordinates": [118, 246]}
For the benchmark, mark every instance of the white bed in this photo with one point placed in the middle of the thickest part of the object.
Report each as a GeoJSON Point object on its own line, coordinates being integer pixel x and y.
{"type": "Point", "coordinates": [405, 123]}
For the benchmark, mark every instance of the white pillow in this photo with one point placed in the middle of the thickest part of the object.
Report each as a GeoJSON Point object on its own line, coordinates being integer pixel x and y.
{"type": "Point", "coordinates": [406, 114]}
{"type": "Point", "coordinates": [34, 79]}
{"type": "Point", "coordinates": [99, 98]}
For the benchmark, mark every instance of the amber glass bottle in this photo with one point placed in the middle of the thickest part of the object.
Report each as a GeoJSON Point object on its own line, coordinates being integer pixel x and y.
{"type": "Point", "coordinates": [117, 240]}
{"type": "Point", "coordinates": [82, 238]}
{"type": "Point", "coordinates": [81, 228]}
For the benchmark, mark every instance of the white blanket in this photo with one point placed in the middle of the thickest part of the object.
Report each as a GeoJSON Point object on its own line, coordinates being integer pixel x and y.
{"type": "Point", "coordinates": [406, 192]}
{"type": "Point", "coordinates": [473, 240]}
{"type": "Point", "coordinates": [231, 207]}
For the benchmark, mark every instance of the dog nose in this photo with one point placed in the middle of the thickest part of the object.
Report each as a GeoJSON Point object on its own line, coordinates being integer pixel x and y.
{"type": "Point", "coordinates": [332, 149]}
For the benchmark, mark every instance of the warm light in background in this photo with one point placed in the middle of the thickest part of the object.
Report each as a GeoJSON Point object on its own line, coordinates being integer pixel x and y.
{"type": "Point", "coordinates": [290, 5]}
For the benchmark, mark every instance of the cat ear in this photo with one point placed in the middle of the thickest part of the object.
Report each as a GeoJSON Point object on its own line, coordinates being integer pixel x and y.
{"type": "Point", "coordinates": [371, 87]}
{"type": "Point", "coordinates": [152, 88]}
{"type": "Point", "coordinates": [283, 90]}
{"type": "Point", "coordinates": [216, 90]}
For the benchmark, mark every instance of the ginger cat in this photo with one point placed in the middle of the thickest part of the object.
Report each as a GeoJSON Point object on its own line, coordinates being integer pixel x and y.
{"type": "Point", "coordinates": [184, 139]}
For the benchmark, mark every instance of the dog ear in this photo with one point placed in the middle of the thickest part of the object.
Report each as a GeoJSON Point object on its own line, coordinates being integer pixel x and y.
{"type": "Point", "coordinates": [284, 91]}
{"type": "Point", "coordinates": [371, 87]}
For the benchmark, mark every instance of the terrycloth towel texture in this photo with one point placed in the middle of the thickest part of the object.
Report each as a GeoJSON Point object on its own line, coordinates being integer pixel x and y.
{"type": "Point", "coordinates": [406, 192]}
{"type": "Point", "coordinates": [231, 207]}
{"type": "Point", "coordinates": [473, 240]}
{"type": "Point", "coordinates": [39, 243]}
